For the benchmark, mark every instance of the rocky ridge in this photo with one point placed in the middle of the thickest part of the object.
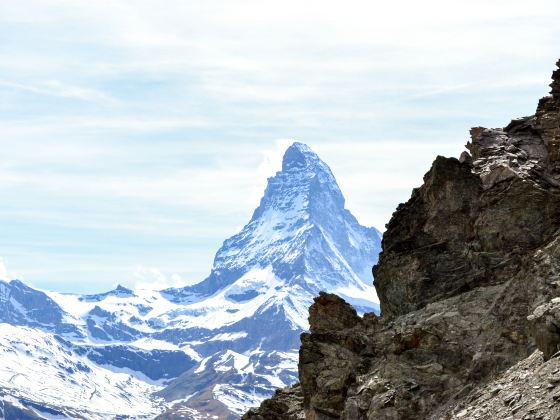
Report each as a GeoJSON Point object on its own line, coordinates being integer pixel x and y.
{"type": "Point", "coordinates": [469, 286]}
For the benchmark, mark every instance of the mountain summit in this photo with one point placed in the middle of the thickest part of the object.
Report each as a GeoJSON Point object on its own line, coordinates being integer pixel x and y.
{"type": "Point", "coordinates": [217, 347]}
{"type": "Point", "coordinates": [302, 231]}
{"type": "Point", "coordinates": [300, 241]}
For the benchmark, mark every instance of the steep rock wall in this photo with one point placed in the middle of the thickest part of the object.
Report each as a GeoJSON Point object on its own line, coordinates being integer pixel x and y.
{"type": "Point", "coordinates": [469, 280]}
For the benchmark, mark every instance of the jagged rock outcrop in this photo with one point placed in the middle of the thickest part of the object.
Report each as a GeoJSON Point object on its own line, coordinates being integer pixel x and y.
{"type": "Point", "coordinates": [469, 284]}
{"type": "Point", "coordinates": [528, 390]}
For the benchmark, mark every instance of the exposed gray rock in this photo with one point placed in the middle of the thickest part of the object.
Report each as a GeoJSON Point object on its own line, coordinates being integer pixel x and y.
{"type": "Point", "coordinates": [528, 391]}
{"type": "Point", "coordinates": [545, 321]}
{"type": "Point", "coordinates": [285, 405]}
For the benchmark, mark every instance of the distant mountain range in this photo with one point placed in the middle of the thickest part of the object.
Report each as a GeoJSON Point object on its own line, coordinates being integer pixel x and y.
{"type": "Point", "coordinates": [212, 349]}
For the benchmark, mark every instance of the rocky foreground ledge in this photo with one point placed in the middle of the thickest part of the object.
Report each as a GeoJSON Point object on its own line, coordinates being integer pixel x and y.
{"type": "Point", "coordinates": [469, 283]}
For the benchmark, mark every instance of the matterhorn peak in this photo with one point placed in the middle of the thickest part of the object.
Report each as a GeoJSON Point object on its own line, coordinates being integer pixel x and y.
{"type": "Point", "coordinates": [304, 183]}
{"type": "Point", "coordinates": [225, 342]}
{"type": "Point", "coordinates": [299, 155]}
{"type": "Point", "coordinates": [301, 232]}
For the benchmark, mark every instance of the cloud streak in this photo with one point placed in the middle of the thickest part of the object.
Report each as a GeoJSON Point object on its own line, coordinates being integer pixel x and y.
{"type": "Point", "coordinates": [3, 271]}
{"type": "Point", "coordinates": [146, 133]}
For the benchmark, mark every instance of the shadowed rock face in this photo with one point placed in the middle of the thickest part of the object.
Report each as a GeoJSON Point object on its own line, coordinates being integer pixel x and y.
{"type": "Point", "coordinates": [469, 285]}
{"type": "Point", "coordinates": [331, 313]}
{"type": "Point", "coordinates": [329, 357]}
{"type": "Point", "coordinates": [424, 256]}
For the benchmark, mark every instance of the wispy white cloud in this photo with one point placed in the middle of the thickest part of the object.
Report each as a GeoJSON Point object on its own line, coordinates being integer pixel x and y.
{"type": "Point", "coordinates": [152, 278]}
{"type": "Point", "coordinates": [3, 271]}
{"type": "Point", "coordinates": [83, 124]}
{"type": "Point", "coordinates": [6, 274]}
{"type": "Point", "coordinates": [59, 89]}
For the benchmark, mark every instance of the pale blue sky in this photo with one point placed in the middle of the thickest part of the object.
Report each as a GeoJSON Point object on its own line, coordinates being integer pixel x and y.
{"type": "Point", "coordinates": [137, 135]}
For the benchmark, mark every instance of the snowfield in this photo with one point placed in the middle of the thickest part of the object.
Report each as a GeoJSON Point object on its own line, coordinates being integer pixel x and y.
{"type": "Point", "coordinates": [37, 367]}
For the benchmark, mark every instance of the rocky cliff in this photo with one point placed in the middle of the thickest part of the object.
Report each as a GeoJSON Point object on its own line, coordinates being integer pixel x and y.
{"type": "Point", "coordinates": [469, 285]}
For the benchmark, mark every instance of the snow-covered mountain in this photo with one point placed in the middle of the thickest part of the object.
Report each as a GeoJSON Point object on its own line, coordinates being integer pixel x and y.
{"type": "Point", "coordinates": [214, 348]}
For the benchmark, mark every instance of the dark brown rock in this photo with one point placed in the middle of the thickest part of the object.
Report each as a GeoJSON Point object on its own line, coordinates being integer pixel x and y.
{"type": "Point", "coordinates": [332, 355]}
{"type": "Point", "coordinates": [548, 121]}
{"type": "Point", "coordinates": [286, 404]}
{"type": "Point", "coordinates": [423, 256]}
{"type": "Point", "coordinates": [331, 313]}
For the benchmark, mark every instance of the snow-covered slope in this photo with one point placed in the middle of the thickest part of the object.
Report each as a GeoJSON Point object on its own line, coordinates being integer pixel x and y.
{"type": "Point", "coordinates": [302, 230]}
{"type": "Point", "coordinates": [220, 346]}
{"type": "Point", "coordinates": [300, 241]}
{"type": "Point", "coordinates": [40, 372]}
